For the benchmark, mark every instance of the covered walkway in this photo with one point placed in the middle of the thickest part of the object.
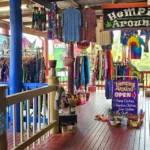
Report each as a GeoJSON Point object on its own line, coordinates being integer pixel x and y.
{"type": "Point", "coordinates": [95, 135]}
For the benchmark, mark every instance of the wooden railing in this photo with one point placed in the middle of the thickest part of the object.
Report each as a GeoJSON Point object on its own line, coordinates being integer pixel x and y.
{"type": "Point", "coordinates": [146, 79]}
{"type": "Point", "coordinates": [40, 127]}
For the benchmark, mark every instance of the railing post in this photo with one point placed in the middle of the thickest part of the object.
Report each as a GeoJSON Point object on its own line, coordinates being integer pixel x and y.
{"type": "Point", "coordinates": [3, 137]}
{"type": "Point", "coordinates": [53, 113]}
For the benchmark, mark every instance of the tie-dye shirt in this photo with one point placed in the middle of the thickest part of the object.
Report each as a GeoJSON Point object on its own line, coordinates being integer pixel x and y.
{"type": "Point", "coordinates": [135, 44]}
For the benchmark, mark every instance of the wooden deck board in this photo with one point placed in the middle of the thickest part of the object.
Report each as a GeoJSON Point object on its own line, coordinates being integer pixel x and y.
{"type": "Point", "coordinates": [96, 135]}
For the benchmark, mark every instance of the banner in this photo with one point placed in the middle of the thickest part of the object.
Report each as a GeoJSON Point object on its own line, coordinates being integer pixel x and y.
{"type": "Point", "coordinates": [125, 96]}
{"type": "Point", "coordinates": [126, 18]}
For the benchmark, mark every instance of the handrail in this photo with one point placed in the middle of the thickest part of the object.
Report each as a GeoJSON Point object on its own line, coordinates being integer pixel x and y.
{"type": "Point", "coordinates": [22, 96]}
{"type": "Point", "coordinates": [42, 122]}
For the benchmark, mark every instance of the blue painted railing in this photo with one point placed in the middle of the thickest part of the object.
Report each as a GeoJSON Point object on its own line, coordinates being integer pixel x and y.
{"type": "Point", "coordinates": [25, 87]}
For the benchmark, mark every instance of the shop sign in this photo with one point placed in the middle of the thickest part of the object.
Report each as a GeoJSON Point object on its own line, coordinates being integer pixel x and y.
{"type": "Point", "coordinates": [60, 45]}
{"type": "Point", "coordinates": [125, 96]}
{"type": "Point", "coordinates": [125, 18]}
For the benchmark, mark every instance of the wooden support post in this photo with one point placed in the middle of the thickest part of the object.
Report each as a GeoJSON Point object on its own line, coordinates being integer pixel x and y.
{"type": "Point", "coordinates": [15, 56]}
{"type": "Point", "coordinates": [53, 113]}
{"type": "Point", "coordinates": [71, 70]}
{"type": "Point", "coordinates": [45, 54]}
{"type": "Point", "coordinates": [3, 137]}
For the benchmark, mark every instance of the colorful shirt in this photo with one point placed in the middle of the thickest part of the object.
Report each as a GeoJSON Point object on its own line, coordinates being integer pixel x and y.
{"type": "Point", "coordinates": [135, 45]}
{"type": "Point", "coordinates": [88, 30]}
{"type": "Point", "coordinates": [52, 20]}
{"type": "Point", "coordinates": [71, 22]}
{"type": "Point", "coordinates": [39, 19]}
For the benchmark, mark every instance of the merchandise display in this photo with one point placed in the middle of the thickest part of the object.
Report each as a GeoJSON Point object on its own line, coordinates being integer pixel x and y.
{"type": "Point", "coordinates": [54, 20]}
{"type": "Point", "coordinates": [88, 28]}
{"type": "Point", "coordinates": [115, 119]}
{"type": "Point", "coordinates": [71, 23]}
{"type": "Point", "coordinates": [39, 19]}
{"type": "Point", "coordinates": [33, 69]}
{"type": "Point", "coordinates": [134, 44]}
{"type": "Point", "coordinates": [82, 72]}
{"type": "Point", "coordinates": [104, 64]}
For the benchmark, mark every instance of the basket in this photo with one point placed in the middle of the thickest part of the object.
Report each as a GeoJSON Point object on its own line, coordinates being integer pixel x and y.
{"type": "Point", "coordinates": [68, 61]}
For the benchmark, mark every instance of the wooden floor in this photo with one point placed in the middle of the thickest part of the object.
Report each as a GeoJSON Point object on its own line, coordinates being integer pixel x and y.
{"type": "Point", "coordinates": [95, 135]}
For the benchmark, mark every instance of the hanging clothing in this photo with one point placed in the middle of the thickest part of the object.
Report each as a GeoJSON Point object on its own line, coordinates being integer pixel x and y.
{"type": "Point", "coordinates": [52, 21]}
{"type": "Point", "coordinates": [71, 22]}
{"type": "Point", "coordinates": [88, 29]}
{"type": "Point", "coordinates": [102, 37]}
{"type": "Point", "coordinates": [77, 72]}
{"type": "Point", "coordinates": [33, 69]}
{"type": "Point", "coordinates": [108, 89]}
{"type": "Point", "coordinates": [134, 44]}
{"type": "Point", "coordinates": [39, 19]}
{"type": "Point", "coordinates": [104, 68]}
{"type": "Point", "coordinates": [82, 71]}
{"type": "Point", "coordinates": [59, 26]}
{"type": "Point", "coordinates": [125, 35]}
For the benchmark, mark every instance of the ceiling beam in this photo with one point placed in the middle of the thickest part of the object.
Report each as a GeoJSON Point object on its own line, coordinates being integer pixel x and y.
{"type": "Point", "coordinates": [6, 25]}
{"type": "Point", "coordinates": [29, 23]}
{"type": "Point", "coordinates": [29, 14]}
{"type": "Point", "coordinates": [45, 3]}
{"type": "Point", "coordinates": [6, 3]}
{"type": "Point", "coordinates": [25, 13]}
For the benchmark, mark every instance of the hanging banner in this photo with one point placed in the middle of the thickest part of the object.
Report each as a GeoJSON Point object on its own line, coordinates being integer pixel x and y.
{"type": "Point", "coordinates": [126, 17]}
{"type": "Point", "coordinates": [125, 96]}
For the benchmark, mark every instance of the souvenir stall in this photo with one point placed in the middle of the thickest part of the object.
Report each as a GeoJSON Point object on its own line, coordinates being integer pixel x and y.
{"type": "Point", "coordinates": [124, 87]}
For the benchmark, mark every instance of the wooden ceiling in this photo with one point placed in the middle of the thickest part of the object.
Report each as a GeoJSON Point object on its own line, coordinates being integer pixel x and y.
{"type": "Point", "coordinates": [27, 6]}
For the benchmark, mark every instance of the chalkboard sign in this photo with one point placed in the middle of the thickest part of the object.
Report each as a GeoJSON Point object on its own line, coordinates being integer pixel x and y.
{"type": "Point", "coordinates": [125, 18]}
{"type": "Point", "coordinates": [125, 96]}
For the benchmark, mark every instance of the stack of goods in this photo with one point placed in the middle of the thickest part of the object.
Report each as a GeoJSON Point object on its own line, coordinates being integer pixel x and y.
{"type": "Point", "coordinates": [115, 119]}
{"type": "Point", "coordinates": [39, 19]}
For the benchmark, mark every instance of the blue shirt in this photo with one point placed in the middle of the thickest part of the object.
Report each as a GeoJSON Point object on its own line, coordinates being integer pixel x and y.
{"type": "Point", "coordinates": [71, 22]}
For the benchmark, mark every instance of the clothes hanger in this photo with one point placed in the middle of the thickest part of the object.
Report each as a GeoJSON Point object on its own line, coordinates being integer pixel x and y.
{"type": "Point", "coordinates": [86, 6]}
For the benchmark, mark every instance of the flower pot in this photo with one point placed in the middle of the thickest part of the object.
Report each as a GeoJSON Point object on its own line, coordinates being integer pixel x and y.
{"type": "Point", "coordinates": [68, 61]}
{"type": "Point", "coordinates": [52, 63]}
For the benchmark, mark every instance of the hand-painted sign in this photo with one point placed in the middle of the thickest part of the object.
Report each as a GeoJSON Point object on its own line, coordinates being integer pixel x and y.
{"type": "Point", "coordinates": [125, 96]}
{"type": "Point", "coordinates": [122, 18]}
